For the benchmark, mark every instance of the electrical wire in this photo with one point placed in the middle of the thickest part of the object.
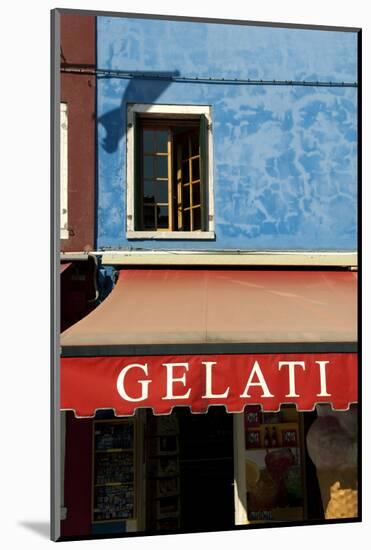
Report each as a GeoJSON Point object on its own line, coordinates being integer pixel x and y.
{"type": "Point", "coordinates": [107, 73]}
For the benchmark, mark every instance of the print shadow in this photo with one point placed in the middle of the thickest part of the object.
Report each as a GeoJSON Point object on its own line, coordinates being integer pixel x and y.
{"type": "Point", "coordinates": [41, 528]}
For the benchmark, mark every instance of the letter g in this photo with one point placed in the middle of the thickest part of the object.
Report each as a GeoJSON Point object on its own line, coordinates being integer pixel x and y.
{"type": "Point", "coordinates": [144, 383]}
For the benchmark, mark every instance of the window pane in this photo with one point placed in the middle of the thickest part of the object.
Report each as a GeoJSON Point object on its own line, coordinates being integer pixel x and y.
{"type": "Point", "coordinates": [195, 145]}
{"type": "Point", "coordinates": [149, 216]}
{"type": "Point", "coordinates": [185, 171]}
{"type": "Point", "coordinates": [196, 198]}
{"type": "Point", "coordinates": [148, 141]}
{"type": "Point", "coordinates": [161, 141]}
{"type": "Point", "coordinates": [162, 217]}
{"type": "Point", "coordinates": [186, 198]}
{"type": "Point", "coordinates": [185, 149]}
{"type": "Point", "coordinates": [195, 169]}
{"type": "Point", "coordinates": [196, 218]}
{"type": "Point", "coordinates": [149, 191]}
{"type": "Point", "coordinates": [161, 167]}
{"type": "Point", "coordinates": [186, 220]}
{"type": "Point", "coordinates": [161, 191]}
{"type": "Point", "coordinates": [148, 167]}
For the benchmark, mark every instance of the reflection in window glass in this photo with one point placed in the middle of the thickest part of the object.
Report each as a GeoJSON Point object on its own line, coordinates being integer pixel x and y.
{"type": "Point", "coordinates": [149, 216]}
{"type": "Point", "coordinates": [186, 220]}
{"type": "Point", "coordinates": [185, 149]}
{"type": "Point", "coordinates": [161, 141]}
{"type": "Point", "coordinates": [149, 190]}
{"type": "Point", "coordinates": [186, 197]}
{"type": "Point", "coordinates": [148, 167]}
{"type": "Point", "coordinates": [195, 169]}
{"type": "Point", "coordinates": [195, 149]}
{"type": "Point", "coordinates": [196, 199]}
{"type": "Point", "coordinates": [185, 171]}
{"type": "Point", "coordinates": [196, 218]}
{"type": "Point", "coordinates": [161, 191]}
{"type": "Point", "coordinates": [161, 164]}
{"type": "Point", "coordinates": [148, 141]}
{"type": "Point", "coordinates": [163, 217]}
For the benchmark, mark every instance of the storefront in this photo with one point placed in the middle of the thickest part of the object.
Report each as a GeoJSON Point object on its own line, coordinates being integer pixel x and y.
{"type": "Point", "coordinates": [184, 395]}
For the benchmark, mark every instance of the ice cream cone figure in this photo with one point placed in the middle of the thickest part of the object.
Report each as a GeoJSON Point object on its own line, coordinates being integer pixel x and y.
{"type": "Point", "coordinates": [343, 503]}
{"type": "Point", "coordinates": [335, 480]}
{"type": "Point", "coordinates": [332, 446]}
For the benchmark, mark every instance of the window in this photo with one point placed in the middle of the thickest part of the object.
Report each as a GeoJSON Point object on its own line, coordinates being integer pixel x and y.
{"type": "Point", "coordinates": [63, 171]}
{"type": "Point", "coordinates": [169, 172]}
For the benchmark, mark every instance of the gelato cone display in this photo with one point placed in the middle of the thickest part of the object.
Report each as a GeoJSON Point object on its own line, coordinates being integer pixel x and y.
{"type": "Point", "coordinates": [336, 480]}
{"type": "Point", "coordinates": [343, 503]}
{"type": "Point", "coordinates": [273, 466]}
{"type": "Point", "coordinates": [332, 447]}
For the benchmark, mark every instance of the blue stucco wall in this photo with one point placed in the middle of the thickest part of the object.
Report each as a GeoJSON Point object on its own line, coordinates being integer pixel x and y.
{"type": "Point", "coordinates": [284, 156]}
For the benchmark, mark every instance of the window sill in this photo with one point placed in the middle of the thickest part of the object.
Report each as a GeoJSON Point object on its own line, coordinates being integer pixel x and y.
{"type": "Point", "coordinates": [181, 235]}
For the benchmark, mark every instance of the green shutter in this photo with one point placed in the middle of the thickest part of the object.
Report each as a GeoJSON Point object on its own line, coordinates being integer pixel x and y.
{"type": "Point", "coordinates": [204, 171]}
{"type": "Point", "coordinates": [138, 214]}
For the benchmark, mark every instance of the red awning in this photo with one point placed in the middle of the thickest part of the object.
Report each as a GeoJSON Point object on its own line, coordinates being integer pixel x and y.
{"type": "Point", "coordinates": [214, 337]}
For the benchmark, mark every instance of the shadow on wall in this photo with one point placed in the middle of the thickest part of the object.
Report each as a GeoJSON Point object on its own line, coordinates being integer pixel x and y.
{"type": "Point", "coordinates": [144, 87]}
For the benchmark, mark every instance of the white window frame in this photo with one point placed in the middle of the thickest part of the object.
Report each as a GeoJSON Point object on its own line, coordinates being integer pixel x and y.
{"type": "Point", "coordinates": [64, 234]}
{"type": "Point", "coordinates": [239, 459]}
{"type": "Point", "coordinates": [175, 111]}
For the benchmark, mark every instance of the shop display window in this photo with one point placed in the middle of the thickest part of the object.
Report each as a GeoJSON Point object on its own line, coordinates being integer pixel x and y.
{"type": "Point", "coordinates": [113, 493]}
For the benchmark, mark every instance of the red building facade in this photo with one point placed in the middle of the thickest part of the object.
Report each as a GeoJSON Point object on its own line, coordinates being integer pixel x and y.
{"type": "Point", "coordinates": [78, 87]}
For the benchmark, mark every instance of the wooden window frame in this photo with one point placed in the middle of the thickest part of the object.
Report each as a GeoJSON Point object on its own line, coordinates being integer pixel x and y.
{"type": "Point", "coordinates": [162, 112]}
{"type": "Point", "coordinates": [181, 185]}
{"type": "Point", "coordinates": [146, 124]}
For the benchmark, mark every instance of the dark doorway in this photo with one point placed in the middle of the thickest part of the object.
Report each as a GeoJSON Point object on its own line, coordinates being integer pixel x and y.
{"type": "Point", "coordinates": [206, 469]}
{"type": "Point", "coordinates": [313, 494]}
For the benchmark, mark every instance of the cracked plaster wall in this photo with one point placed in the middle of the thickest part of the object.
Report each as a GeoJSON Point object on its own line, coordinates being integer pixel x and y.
{"type": "Point", "coordinates": [285, 157]}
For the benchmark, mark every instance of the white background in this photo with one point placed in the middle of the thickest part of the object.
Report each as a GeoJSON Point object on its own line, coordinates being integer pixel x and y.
{"type": "Point", "coordinates": [25, 262]}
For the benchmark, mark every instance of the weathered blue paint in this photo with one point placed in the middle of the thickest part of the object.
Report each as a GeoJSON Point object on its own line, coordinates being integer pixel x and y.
{"type": "Point", "coordinates": [284, 156]}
